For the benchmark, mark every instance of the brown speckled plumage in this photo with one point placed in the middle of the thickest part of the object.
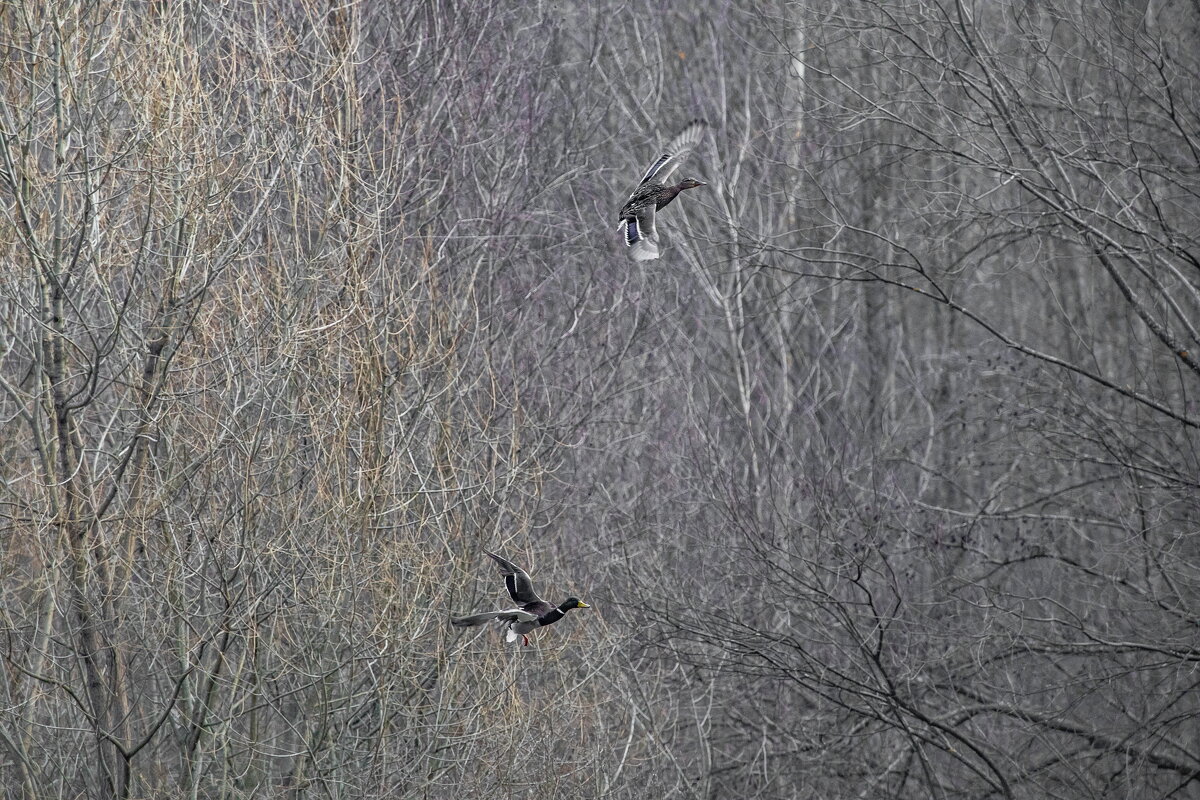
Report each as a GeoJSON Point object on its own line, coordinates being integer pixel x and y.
{"type": "Point", "coordinates": [653, 193]}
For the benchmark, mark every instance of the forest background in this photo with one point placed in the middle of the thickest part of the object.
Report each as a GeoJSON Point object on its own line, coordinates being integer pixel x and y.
{"type": "Point", "coordinates": [882, 482]}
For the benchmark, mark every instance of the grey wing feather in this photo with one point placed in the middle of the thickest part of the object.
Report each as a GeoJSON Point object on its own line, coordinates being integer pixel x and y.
{"type": "Point", "coordinates": [474, 619]}
{"type": "Point", "coordinates": [507, 615]}
{"type": "Point", "coordinates": [677, 151]}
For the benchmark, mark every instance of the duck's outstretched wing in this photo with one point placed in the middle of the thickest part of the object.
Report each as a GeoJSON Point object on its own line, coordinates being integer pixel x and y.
{"type": "Point", "coordinates": [520, 587]}
{"type": "Point", "coordinates": [507, 615]}
{"type": "Point", "coordinates": [666, 164]}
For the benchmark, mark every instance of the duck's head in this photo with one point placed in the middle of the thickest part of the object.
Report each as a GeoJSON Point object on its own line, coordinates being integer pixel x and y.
{"type": "Point", "coordinates": [691, 183]}
{"type": "Point", "coordinates": [572, 602]}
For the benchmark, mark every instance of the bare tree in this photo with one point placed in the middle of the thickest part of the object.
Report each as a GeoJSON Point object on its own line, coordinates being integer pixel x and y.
{"type": "Point", "coordinates": [257, 421]}
{"type": "Point", "coordinates": [881, 481]}
{"type": "Point", "coordinates": [954, 466]}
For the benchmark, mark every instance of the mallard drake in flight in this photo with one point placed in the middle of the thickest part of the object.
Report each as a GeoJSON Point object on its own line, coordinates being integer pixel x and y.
{"type": "Point", "coordinates": [653, 193]}
{"type": "Point", "coordinates": [531, 613]}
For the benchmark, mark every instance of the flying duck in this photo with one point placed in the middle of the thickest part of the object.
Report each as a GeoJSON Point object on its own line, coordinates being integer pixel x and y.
{"type": "Point", "coordinates": [653, 193]}
{"type": "Point", "coordinates": [531, 613]}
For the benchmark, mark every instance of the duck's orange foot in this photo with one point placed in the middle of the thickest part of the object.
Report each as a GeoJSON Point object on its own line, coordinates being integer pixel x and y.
{"type": "Point", "coordinates": [526, 638]}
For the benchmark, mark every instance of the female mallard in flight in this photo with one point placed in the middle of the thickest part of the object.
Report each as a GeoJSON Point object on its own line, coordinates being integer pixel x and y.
{"type": "Point", "coordinates": [532, 611]}
{"type": "Point", "coordinates": [653, 193]}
